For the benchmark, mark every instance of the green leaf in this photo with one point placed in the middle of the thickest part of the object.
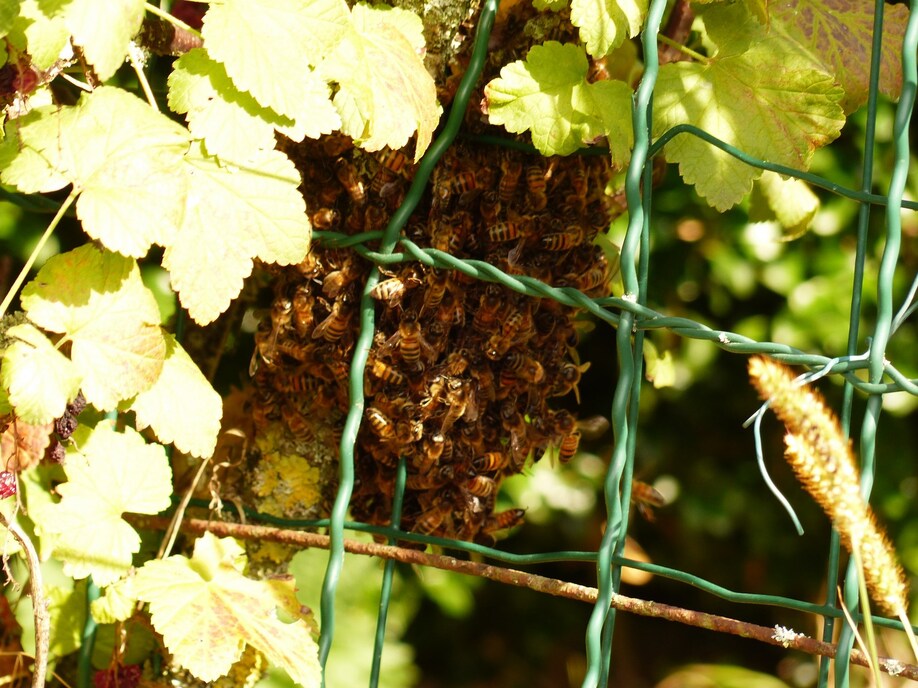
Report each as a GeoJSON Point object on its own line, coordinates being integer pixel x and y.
{"type": "Point", "coordinates": [284, 39]}
{"type": "Point", "coordinates": [104, 36]}
{"type": "Point", "coordinates": [660, 369]}
{"type": "Point", "coordinates": [108, 473]}
{"type": "Point", "coordinates": [124, 157]}
{"type": "Point", "coordinates": [181, 406]}
{"type": "Point", "coordinates": [605, 24]}
{"type": "Point", "coordinates": [719, 676]}
{"type": "Point", "coordinates": [790, 202]}
{"type": "Point", "coordinates": [234, 214]}
{"type": "Point", "coordinates": [553, 5]}
{"type": "Point", "coordinates": [40, 379]}
{"type": "Point", "coordinates": [548, 93]}
{"type": "Point", "coordinates": [766, 101]}
{"type": "Point", "coordinates": [117, 603]}
{"type": "Point", "coordinates": [385, 92]}
{"type": "Point", "coordinates": [67, 612]}
{"type": "Point", "coordinates": [8, 15]}
{"type": "Point", "coordinates": [839, 33]}
{"type": "Point", "coordinates": [45, 34]}
{"type": "Point", "coordinates": [207, 612]}
{"type": "Point", "coordinates": [97, 300]}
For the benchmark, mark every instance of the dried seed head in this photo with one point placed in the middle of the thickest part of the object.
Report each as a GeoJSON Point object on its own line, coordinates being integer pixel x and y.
{"type": "Point", "coordinates": [824, 463]}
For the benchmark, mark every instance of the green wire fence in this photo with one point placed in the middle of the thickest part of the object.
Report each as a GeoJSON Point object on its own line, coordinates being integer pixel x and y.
{"type": "Point", "coordinates": [632, 317]}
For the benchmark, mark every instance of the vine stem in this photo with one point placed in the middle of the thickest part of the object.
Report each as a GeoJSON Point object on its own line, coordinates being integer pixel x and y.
{"type": "Point", "coordinates": [39, 602]}
{"type": "Point", "coordinates": [17, 285]}
{"type": "Point", "coordinates": [666, 40]}
{"type": "Point", "coordinates": [550, 586]}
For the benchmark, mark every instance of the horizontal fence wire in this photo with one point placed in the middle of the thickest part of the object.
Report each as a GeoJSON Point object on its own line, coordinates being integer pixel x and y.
{"type": "Point", "coordinates": [867, 372]}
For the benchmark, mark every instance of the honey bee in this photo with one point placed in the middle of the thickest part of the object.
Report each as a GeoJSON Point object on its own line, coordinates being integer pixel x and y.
{"type": "Point", "coordinates": [536, 186]}
{"type": "Point", "coordinates": [393, 290]}
{"type": "Point", "coordinates": [267, 408]}
{"type": "Point", "coordinates": [325, 218]}
{"type": "Point", "coordinates": [300, 383]}
{"type": "Point", "coordinates": [434, 478]}
{"type": "Point", "coordinates": [429, 522]}
{"type": "Point", "coordinates": [434, 447]}
{"type": "Point", "coordinates": [386, 373]}
{"type": "Point", "coordinates": [503, 232]}
{"type": "Point", "coordinates": [503, 520]}
{"type": "Point", "coordinates": [457, 362]}
{"type": "Point", "coordinates": [374, 218]}
{"type": "Point", "coordinates": [380, 424]}
{"type": "Point", "coordinates": [645, 497]}
{"type": "Point", "coordinates": [336, 144]}
{"type": "Point", "coordinates": [409, 339]}
{"type": "Point", "coordinates": [462, 182]}
{"type": "Point", "coordinates": [498, 344]}
{"type": "Point", "coordinates": [564, 422]}
{"type": "Point", "coordinates": [490, 462]}
{"type": "Point", "coordinates": [296, 422]}
{"type": "Point", "coordinates": [347, 175]}
{"type": "Point", "coordinates": [567, 379]}
{"type": "Point", "coordinates": [568, 446]}
{"type": "Point", "coordinates": [436, 288]}
{"type": "Point", "coordinates": [562, 241]}
{"type": "Point", "coordinates": [489, 307]}
{"type": "Point", "coordinates": [395, 161]}
{"type": "Point", "coordinates": [509, 179]}
{"type": "Point", "coordinates": [407, 432]}
{"type": "Point", "coordinates": [335, 325]}
{"type": "Point", "coordinates": [302, 310]}
{"type": "Point", "coordinates": [577, 177]}
{"type": "Point", "coordinates": [266, 340]}
{"type": "Point", "coordinates": [489, 207]}
{"type": "Point", "coordinates": [524, 367]}
{"type": "Point", "coordinates": [383, 177]}
{"type": "Point", "coordinates": [481, 486]}
{"type": "Point", "coordinates": [461, 402]}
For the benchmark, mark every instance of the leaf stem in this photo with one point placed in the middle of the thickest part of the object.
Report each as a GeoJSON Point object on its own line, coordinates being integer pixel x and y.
{"type": "Point", "coordinates": [135, 55]}
{"type": "Point", "coordinates": [175, 21]}
{"type": "Point", "coordinates": [865, 611]}
{"type": "Point", "coordinates": [8, 299]}
{"type": "Point", "coordinates": [666, 40]}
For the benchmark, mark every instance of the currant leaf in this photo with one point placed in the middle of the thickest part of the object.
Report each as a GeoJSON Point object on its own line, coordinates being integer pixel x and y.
{"type": "Point", "coordinates": [234, 215]}
{"type": "Point", "coordinates": [46, 35]}
{"type": "Point", "coordinates": [104, 36]}
{"type": "Point", "coordinates": [123, 156]}
{"type": "Point", "coordinates": [796, 110]}
{"type": "Point", "coordinates": [117, 603]}
{"type": "Point", "coordinates": [549, 95]}
{"type": "Point", "coordinates": [284, 39]}
{"type": "Point", "coordinates": [181, 406]}
{"type": "Point", "coordinates": [97, 300]}
{"type": "Point", "coordinates": [108, 473]}
{"type": "Point", "coordinates": [207, 612]}
{"type": "Point", "coordinates": [790, 202]}
{"type": "Point", "coordinates": [605, 24]}
{"type": "Point", "coordinates": [839, 33]}
{"type": "Point", "coordinates": [385, 93]}
{"type": "Point", "coordinates": [40, 379]}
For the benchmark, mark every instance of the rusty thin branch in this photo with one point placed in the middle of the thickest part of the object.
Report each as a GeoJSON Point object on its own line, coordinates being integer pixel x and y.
{"type": "Point", "coordinates": [550, 586]}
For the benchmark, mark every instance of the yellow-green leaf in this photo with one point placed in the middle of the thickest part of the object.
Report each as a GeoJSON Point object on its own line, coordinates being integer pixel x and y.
{"type": "Point", "coordinates": [98, 301]}
{"type": "Point", "coordinates": [234, 215]}
{"type": "Point", "coordinates": [207, 612]}
{"type": "Point", "coordinates": [605, 24]}
{"type": "Point", "coordinates": [117, 603]}
{"type": "Point", "coordinates": [46, 35]}
{"type": "Point", "coordinates": [108, 473]}
{"type": "Point", "coordinates": [104, 35]}
{"type": "Point", "coordinates": [385, 93]}
{"type": "Point", "coordinates": [182, 406]}
{"type": "Point", "coordinates": [790, 202]}
{"type": "Point", "coordinates": [40, 379]}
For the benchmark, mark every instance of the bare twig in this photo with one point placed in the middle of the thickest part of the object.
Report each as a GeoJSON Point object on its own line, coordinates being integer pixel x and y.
{"type": "Point", "coordinates": [550, 586]}
{"type": "Point", "coordinates": [39, 603]}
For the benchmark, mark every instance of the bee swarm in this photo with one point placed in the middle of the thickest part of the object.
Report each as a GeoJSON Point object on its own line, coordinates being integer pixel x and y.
{"type": "Point", "coordinates": [460, 370]}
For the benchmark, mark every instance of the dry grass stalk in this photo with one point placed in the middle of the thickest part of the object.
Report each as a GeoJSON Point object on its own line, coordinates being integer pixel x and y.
{"type": "Point", "coordinates": [824, 463]}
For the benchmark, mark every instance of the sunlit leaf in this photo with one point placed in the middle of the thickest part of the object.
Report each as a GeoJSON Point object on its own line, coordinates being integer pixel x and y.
{"type": "Point", "coordinates": [207, 612]}
{"type": "Point", "coordinates": [839, 33]}
{"type": "Point", "coordinates": [385, 93]}
{"type": "Point", "coordinates": [283, 39]}
{"type": "Point", "coordinates": [794, 107]}
{"type": "Point", "coordinates": [67, 612]}
{"type": "Point", "coordinates": [40, 379]}
{"type": "Point", "coordinates": [108, 473]}
{"type": "Point", "coordinates": [104, 36]}
{"type": "Point", "coordinates": [660, 369]}
{"type": "Point", "coordinates": [98, 301]}
{"type": "Point", "coordinates": [605, 24]}
{"type": "Point", "coordinates": [790, 202]}
{"type": "Point", "coordinates": [719, 676]}
{"type": "Point", "coordinates": [182, 406]}
{"type": "Point", "coordinates": [549, 94]}
{"type": "Point", "coordinates": [46, 35]}
{"type": "Point", "coordinates": [117, 603]}
{"type": "Point", "coordinates": [233, 215]}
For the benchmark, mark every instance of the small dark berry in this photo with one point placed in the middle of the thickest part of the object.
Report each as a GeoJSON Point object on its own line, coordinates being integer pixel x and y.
{"type": "Point", "coordinates": [55, 453]}
{"type": "Point", "coordinates": [75, 407]}
{"type": "Point", "coordinates": [65, 425]}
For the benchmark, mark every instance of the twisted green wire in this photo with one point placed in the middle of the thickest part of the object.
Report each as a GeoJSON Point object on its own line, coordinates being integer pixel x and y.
{"type": "Point", "coordinates": [367, 329]}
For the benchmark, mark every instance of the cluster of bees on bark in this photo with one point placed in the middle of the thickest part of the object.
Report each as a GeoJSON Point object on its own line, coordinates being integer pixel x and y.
{"type": "Point", "coordinates": [462, 373]}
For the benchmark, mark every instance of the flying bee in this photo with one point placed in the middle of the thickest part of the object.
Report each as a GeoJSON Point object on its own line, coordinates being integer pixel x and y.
{"type": "Point", "coordinates": [645, 497]}
{"type": "Point", "coordinates": [568, 378]}
{"type": "Point", "coordinates": [524, 367]}
{"type": "Point", "coordinates": [410, 341]}
{"type": "Point", "coordinates": [393, 290]}
{"type": "Point", "coordinates": [347, 175]}
{"type": "Point", "coordinates": [593, 427]}
{"type": "Point", "coordinates": [427, 481]}
{"type": "Point", "coordinates": [489, 307]}
{"type": "Point", "coordinates": [509, 179]}
{"type": "Point", "coordinates": [481, 486]}
{"type": "Point", "coordinates": [335, 325]}
{"type": "Point", "coordinates": [325, 218]}
{"type": "Point", "coordinates": [490, 462]}
{"type": "Point", "coordinates": [503, 232]}
{"type": "Point", "coordinates": [568, 446]}
{"type": "Point", "coordinates": [380, 424]}
{"type": "Point", "coordinates": [296, 422]}
{"type": "Point", "coordinates": [489, 207]}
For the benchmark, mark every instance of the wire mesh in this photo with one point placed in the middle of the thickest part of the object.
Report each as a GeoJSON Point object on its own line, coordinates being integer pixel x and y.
{"type": "Point", "coordinates": [631, 317]}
